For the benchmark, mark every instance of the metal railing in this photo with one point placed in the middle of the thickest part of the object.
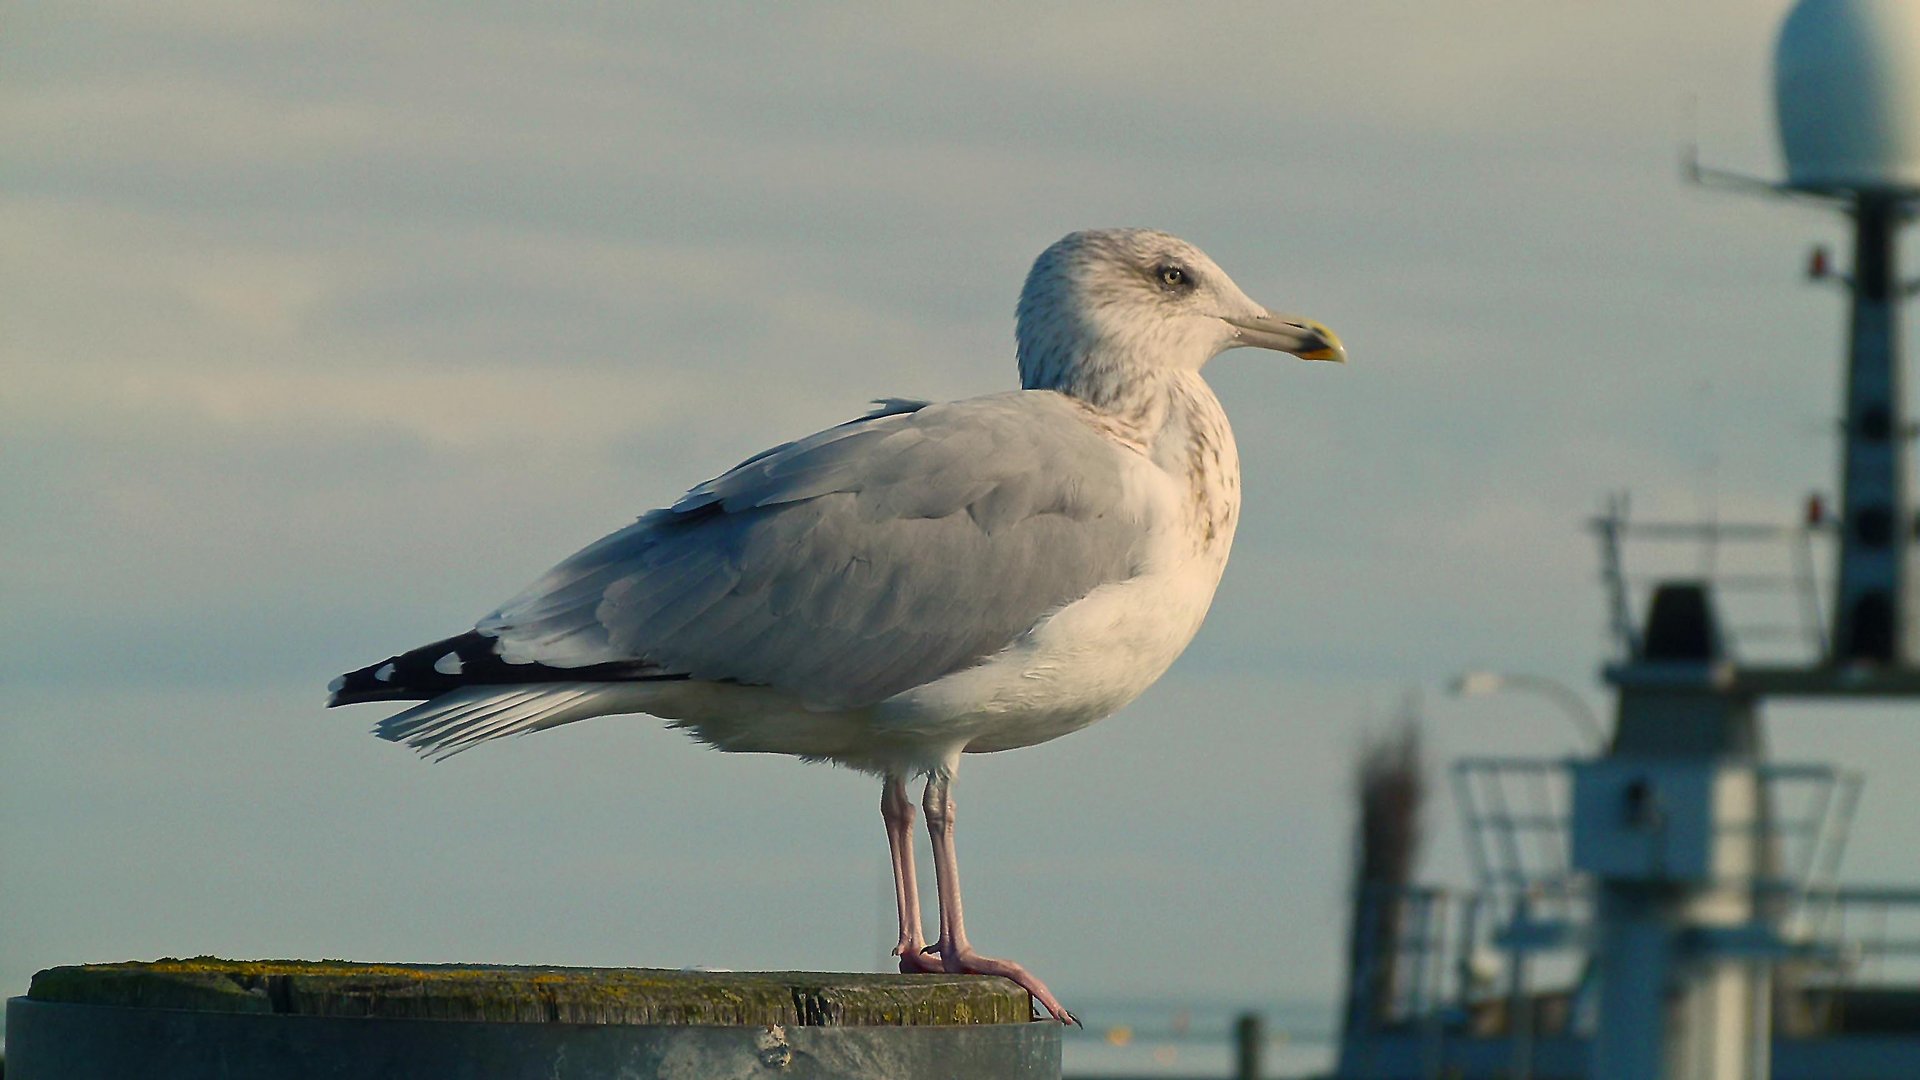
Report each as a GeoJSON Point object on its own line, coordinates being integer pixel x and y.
{"type": "Point", "coordinates": [1873, 935]}
{"type": "Point", "coordinates": [1764, 576]}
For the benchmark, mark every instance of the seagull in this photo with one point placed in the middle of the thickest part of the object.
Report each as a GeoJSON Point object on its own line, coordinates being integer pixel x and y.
{"type": "Point", "coordinates": [926, 581]}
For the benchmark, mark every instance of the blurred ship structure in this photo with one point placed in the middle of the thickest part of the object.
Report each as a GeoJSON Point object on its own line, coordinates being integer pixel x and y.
{"type": "Point", "coordinates": [1669, 907]}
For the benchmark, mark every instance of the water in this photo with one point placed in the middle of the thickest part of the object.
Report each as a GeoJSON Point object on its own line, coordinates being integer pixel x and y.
{"type": "Point", "coordinates": [1138, 1037]}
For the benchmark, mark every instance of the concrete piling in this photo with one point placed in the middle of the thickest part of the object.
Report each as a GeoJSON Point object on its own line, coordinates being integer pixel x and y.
{"type": "Point", "coordinates": [290, 1020]}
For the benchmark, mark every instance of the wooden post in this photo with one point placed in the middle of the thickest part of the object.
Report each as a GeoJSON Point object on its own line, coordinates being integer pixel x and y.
{"type": "Point", "coordinates": [1249, 1039]}
{"type": "Point", "coordinates": [294, 1020]}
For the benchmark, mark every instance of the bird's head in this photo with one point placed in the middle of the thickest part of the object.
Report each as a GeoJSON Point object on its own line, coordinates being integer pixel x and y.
{"type": "Point", "coordinates": [1128, 298]}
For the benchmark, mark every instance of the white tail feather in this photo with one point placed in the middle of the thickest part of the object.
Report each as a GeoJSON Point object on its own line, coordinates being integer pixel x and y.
{"type": "Point", "coordinates": [466, 718]}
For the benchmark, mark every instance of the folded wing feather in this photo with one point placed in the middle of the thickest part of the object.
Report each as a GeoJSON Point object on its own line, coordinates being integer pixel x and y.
{"type": "Point", "coordinates": [851, 565]}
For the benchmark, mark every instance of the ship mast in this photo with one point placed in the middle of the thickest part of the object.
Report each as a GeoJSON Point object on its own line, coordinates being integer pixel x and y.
{"type": "Point", "coordinates": [1674, 824]}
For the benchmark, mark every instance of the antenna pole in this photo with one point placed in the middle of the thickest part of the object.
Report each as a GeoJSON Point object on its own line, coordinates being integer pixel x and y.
{"type": "Point", "coordinates": [1874, 605]}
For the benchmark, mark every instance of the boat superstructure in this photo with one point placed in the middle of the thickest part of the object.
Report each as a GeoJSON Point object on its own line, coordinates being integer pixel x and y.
{"type": "Point", "coordinates": [1668, 907]}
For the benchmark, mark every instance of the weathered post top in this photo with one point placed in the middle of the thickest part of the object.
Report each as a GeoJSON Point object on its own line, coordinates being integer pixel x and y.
{"type": "Point", "coordinates": [538, 994]}
{"type": "Point", "coordinates": [296, 1018]}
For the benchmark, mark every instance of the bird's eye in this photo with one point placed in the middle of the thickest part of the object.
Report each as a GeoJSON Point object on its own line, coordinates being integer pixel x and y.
{"type": "Point", "coordinates": [1175, 277]}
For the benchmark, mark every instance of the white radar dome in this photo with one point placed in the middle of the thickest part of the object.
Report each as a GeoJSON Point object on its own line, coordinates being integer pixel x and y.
{"type": "Point", "coordinates": [1846, 83]}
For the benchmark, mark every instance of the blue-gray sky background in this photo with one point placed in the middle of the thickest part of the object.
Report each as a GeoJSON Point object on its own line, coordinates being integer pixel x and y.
{"type": "Point", "coordinates": [326, 327]}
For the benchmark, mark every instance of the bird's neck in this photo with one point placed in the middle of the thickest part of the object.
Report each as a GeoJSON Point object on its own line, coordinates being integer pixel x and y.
{"type": "Point", "coordinates": [1133, 396]}
{"type": "Point", "coordinates": [1173, 417]}
{"type": "Point", "coordinates": [1195, 445]}
{"type": "Point", "coordinates": [1117, 377]}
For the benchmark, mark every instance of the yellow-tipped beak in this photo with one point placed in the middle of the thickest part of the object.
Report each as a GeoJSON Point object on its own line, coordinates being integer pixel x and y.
{"type": "Point", "coordinates": [1331, 350]}
{"type": "Point", "coordinates": [1304, 338]}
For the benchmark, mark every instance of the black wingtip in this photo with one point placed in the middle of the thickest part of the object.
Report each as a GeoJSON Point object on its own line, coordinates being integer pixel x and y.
{"type": "Point", "coordinates": [469, 659]}
{"type": "Point", "coordinates": [375, 682]}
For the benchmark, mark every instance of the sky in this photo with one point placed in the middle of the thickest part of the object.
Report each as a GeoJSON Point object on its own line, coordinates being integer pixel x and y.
{"type": "Point", "coordinates": [328, 327]}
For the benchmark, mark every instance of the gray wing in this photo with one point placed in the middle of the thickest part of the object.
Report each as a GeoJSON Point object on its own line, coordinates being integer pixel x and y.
{"type": "Point", "coordinates": [853, 564]}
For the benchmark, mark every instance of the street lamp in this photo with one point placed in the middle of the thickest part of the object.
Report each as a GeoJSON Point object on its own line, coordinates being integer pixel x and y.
{"type": "Point", "coordinates": [1478, 683]}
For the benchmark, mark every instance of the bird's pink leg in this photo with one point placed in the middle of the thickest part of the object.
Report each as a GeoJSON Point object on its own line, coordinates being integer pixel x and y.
{"type": "Point", "coordinates": [956, 954]}
{"type": "Point", "coordinates": [896, 809]}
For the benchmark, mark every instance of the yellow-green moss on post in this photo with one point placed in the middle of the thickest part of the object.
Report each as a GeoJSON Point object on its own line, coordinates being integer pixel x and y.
{"type": "Point", "coordinates": [538, 994]}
